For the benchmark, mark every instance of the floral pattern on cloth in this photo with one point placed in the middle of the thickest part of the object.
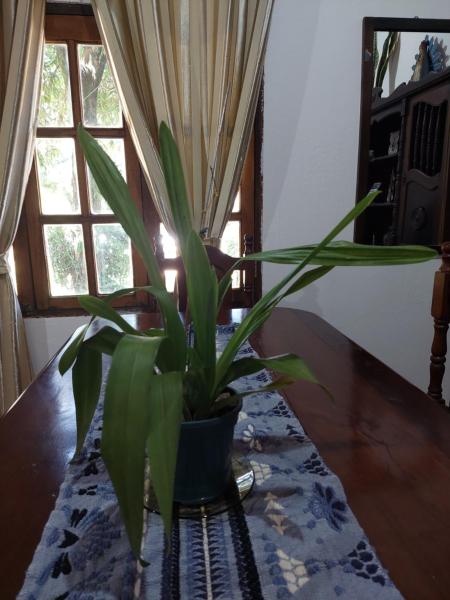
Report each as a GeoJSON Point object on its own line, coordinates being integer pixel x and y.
{"type": "Point", "coordinates": [293, 537]}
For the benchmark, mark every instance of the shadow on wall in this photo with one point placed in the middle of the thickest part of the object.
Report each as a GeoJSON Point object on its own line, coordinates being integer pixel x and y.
{"type": "Point", "coordinates": [307, 299]}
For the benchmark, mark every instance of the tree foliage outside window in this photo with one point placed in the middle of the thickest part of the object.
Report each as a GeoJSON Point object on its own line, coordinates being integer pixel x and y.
{"type": "Point", "coordinates": [55, 109]}
{"type": "Point", "coordinates": [101, 107]}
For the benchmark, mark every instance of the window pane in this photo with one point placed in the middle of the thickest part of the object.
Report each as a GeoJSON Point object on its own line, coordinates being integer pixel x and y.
{"type": "Point", "coordinates": [237, 202]}
{"type": "Point", "coordinates": [236, 279]}
{"type": "Point", "coordinates": [64, 249]}
{"type": "Point", "coordinates": [231, 244]}
{"type": "Point", "coordinates": [112, 250]}
{"type": "Point", "coordinates": [114, 147]}
{"type": "Point", "coordinates": [168, 243]}
{"type": "Point", "coordinates": [55, 107]}
{"type": "Point", "coordinates": [58, 181]}
{"type": "Point", "coordinates": [12, 267]}
{"type": "Point", "coordinates": [170, 276]}
{"type": "Point", "coordinates": [231, 239]}
{"type": "Point", "coordinates": [101, 107]}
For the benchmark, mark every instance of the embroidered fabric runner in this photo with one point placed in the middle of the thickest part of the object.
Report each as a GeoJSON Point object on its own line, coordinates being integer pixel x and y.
{"type": "Point", "coordinates": [293, 537]}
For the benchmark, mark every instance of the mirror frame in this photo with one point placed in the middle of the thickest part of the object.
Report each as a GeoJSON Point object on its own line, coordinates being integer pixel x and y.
{"type": "Point", "coordinates": [369, 26]}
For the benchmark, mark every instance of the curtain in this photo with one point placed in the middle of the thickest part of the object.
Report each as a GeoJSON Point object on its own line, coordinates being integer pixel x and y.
{"type": "Point", "coordinates": [196, 64]}
{"type": "Point", "coordinates": [21, 42]}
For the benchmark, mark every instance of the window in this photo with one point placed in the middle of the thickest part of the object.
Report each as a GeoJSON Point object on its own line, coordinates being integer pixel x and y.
{"type": "Point", "coordinates": [77, 246]}
{"type": "Point", "coordinates": [69, 242]}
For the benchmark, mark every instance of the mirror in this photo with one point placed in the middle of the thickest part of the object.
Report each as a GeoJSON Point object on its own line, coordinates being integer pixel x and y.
{"type": "Point", "coordinates": [404, 145]}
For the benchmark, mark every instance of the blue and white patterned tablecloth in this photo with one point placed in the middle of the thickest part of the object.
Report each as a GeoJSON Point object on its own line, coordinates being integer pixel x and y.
{"type": "Point", "coordinates": [293, 537]}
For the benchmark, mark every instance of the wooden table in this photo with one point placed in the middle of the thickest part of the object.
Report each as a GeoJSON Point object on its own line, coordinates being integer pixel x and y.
{"type": "Point", "coordinates": [387, 441]}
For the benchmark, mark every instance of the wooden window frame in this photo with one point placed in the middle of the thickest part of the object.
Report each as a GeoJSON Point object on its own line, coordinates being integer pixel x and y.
{"type": "Point", "coordinates": [33, 290]}
{"type": "Point", "coordinates": [31, 272]}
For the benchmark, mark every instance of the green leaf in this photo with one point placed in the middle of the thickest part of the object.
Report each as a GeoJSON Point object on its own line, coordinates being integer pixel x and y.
{"type": "Point", "coordinates": [224, 286]}
{"type": "Point", "coordinates": [101, 308]}
{"type": "Point", "coordinates": [344, 254]}
{"type": "Point", "coordinates": [306, 278]}
{"type": "Point", "coordinates": [263, 308]}
{"type": "Point", "coordinates": [202, 289]}
{"type": "Point", "coordinates": [166, 411]}
{"type": "Point", "coordinates": [288, 364]}
{"type": "Point", "coordinates": [176, 187]}
{"type": "Point", "coordinates": [86, 383]}
{"type": "Point", "coordinates": [70, 353]}
{"type": "Point", "coordinates": [105, 341]}
{"type": "Point", "coordinates": [277, 384]}
{"type": "Point", "coordinates": [114, 189]}
{"type": "Point", "coordinates": [126, 426]}
{"type": "Point", "coordinates": [172, 354]}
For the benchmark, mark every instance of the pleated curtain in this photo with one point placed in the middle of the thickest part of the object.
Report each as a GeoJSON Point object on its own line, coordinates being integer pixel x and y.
{"type": "Point", "coordinates": [197, 65]}
{"type": "Point", "coordinates": [21, 43]}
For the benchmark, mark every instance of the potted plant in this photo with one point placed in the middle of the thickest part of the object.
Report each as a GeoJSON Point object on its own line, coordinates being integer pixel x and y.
{"type": "Point", "coordinates": [158, 384]}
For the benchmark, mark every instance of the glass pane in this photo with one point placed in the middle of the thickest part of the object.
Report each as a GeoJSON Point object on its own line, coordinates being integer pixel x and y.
{"type": "Point", "coordinates": [64, 249]}
{"type": "Point", "coordinates": [58, 181]}
{"type": "Point", "coordinates": [55, 106]}
{"type": "Point", "coordinates": [168, 243]}
{"type": "Point", "coordinates": [237, 202]}
{"type": "Point", "coordinates": [170, 276]}
{"type": "Point", "coordinates": [231, 239]}
{"type": "Point", "coordinates": [114, 147]}
{"type": "Point", "coordinates": [12, 268]}
{"type": "Point", "coordinates": [112, 251]}
{"type": "Point", "coordinates": [101, 107]}
{"type": "Point", "coordinates": [236, 279]}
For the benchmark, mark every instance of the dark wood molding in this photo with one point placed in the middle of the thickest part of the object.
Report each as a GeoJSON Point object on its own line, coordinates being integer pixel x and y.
{"type": "Point", "coordinates": [69, 8]}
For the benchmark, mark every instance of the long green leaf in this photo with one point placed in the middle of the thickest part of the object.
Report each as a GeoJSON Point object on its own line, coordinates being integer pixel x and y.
{"type": "Point", "coordinates": [276, 384]}
{"type": "Point", "coordinates": [86, 383]}
{"type": "Point", "coordinates": [114, 189]}
{"type": "Point", "coordinates": [344, 254]}
{"type": "Point", "coordinates": [263, 308]}
{"type": "Point", "coordinates": [201, 281]}
{"type": "Point", "coordinates": [306, 279]}
{"type": "Point", "coordinates": [287, 364]}
{"type": "Point", "coordinates": [70, 353]}
{"type": "Point", "coordinates": [176, 187]}
{"type": "Point", "coordinates": [105, 341]}
{"type": "Point", "coordinates": [126, 425]}
{"type": "Point", "coordinates": [166, 412]}
{"type": "Point", "coordinates": [172, 355]}
{"type": "Point", "coordinates": [101, 308]}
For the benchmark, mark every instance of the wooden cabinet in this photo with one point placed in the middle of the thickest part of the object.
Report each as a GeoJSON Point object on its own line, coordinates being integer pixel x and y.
{"type": "Point", "coordinates": [409, 162]}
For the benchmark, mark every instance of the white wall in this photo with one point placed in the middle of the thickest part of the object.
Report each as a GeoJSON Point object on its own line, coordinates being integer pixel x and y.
{"type": "Point", "coordinates": [311, 126]}
{"type": "Point", "coordinates": [312, 87]}
{"type": "Point", "coordinates": [46, 336]}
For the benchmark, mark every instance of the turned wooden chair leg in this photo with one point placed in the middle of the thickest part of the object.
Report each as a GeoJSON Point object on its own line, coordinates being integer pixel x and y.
{"type": "Point", "coordinates": [437, 359]}
{"type": "Point", "coordinates": [440, 311]}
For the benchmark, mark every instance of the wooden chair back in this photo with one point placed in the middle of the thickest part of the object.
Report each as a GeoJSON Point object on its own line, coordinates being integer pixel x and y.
{"type": "Point", "coordinates": [220, 261]}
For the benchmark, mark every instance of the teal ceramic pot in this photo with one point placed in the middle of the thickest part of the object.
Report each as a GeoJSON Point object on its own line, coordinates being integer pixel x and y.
{"type": "Point", "coordinates": [204, 458]}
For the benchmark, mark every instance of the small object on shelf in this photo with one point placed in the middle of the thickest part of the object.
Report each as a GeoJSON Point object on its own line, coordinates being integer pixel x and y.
{"type": "Point", "coordinates": [390, 197]}
{"type": "Point", "coordinates": [394, 138]}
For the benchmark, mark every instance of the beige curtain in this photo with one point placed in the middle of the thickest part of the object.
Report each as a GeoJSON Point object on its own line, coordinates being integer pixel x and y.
{"type": "Point", "coordinates": [196, 64]}
{"type": "Point", "coordinates": [21, 39]}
